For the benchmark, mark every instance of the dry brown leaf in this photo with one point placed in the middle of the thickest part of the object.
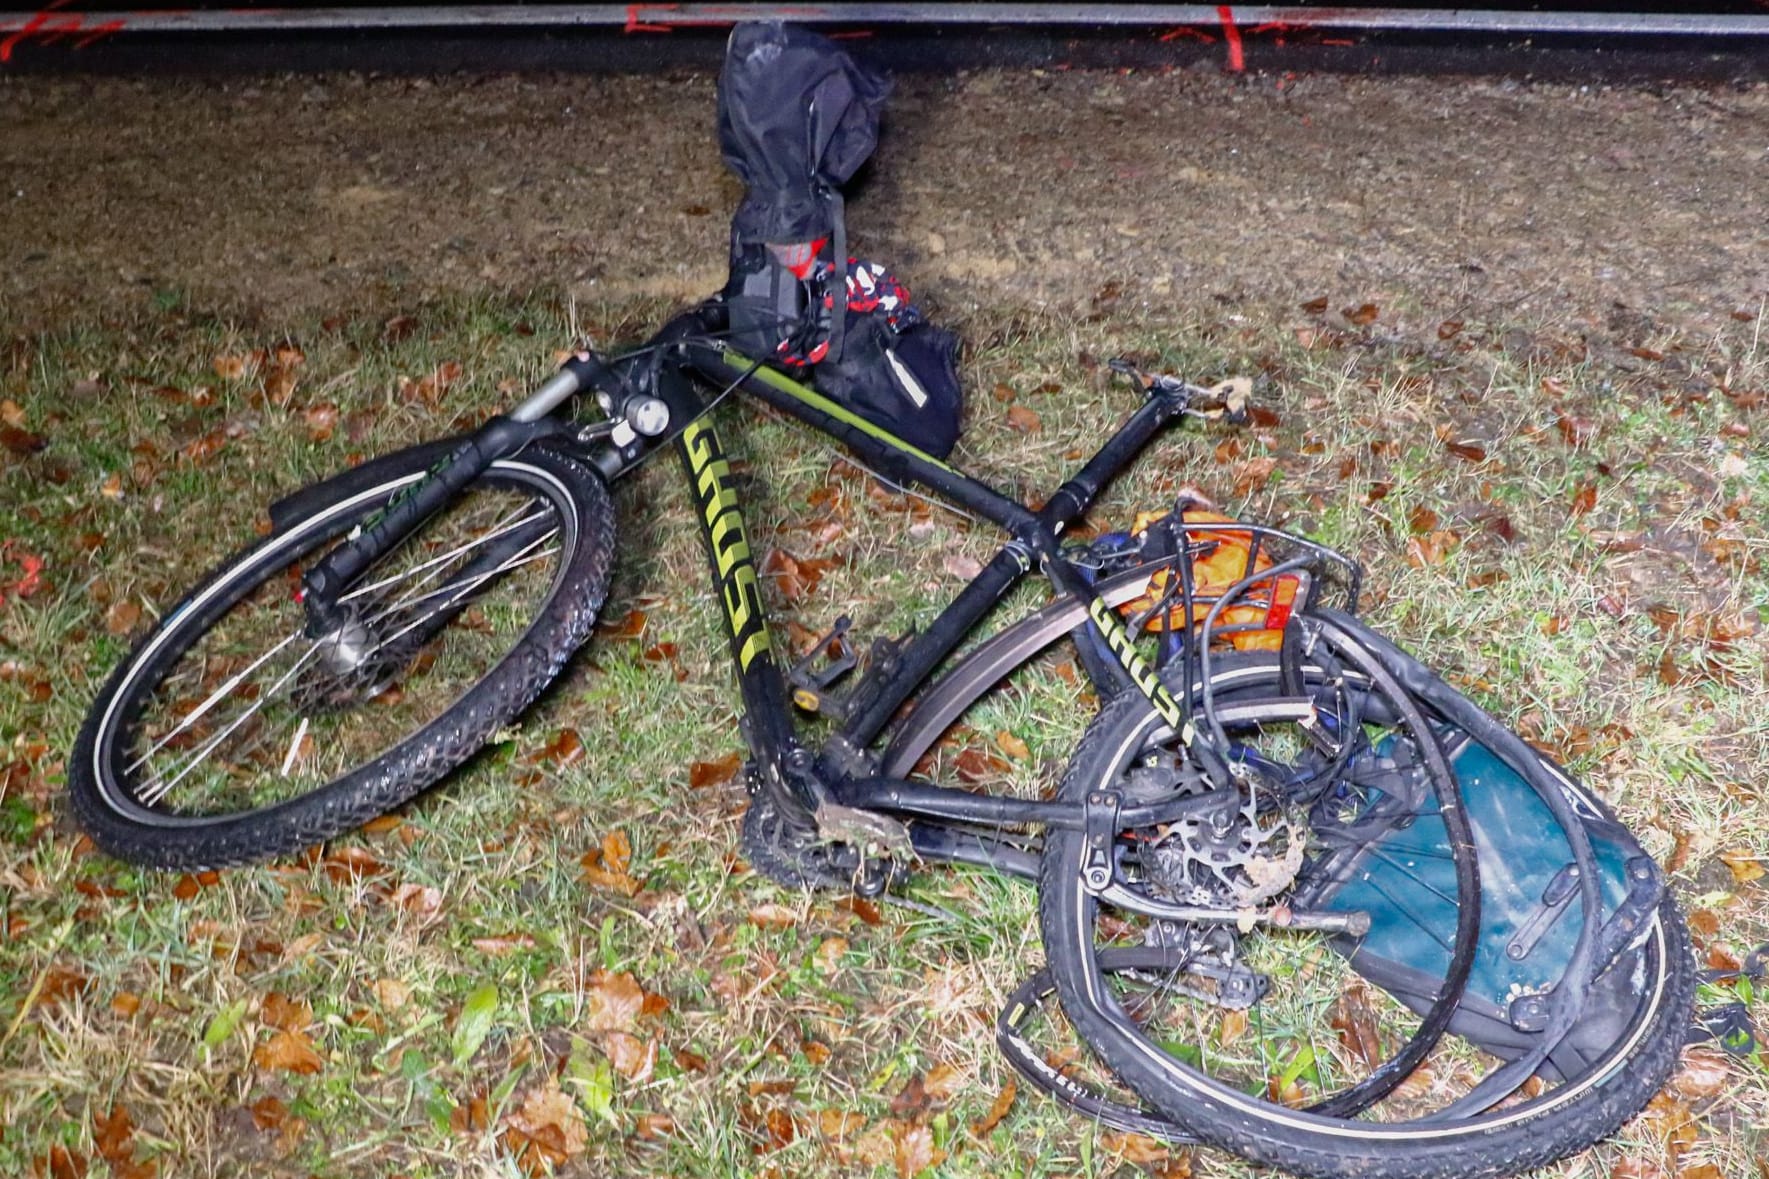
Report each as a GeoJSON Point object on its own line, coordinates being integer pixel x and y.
{"type": "Point", "coordinates": [864, 908]}
{"type": "Point", "coordinates": [878, 1146]}
{"type": "Point", "coordinates": [915, 1151]}
{"type": "Point", "coordinates": [1704, 1073]}
{"type": "Point", "coordinates": [1355, 1021]}
{"type": "Point", "coordinates": [839, 1123]}
{"type": "Point", "coordinates": [628, 626]}
{"type": "Point", "coordinates": [773, 916]}
{"type": "Point", "coordinates": [1744, 865]}
{"type": "Point", "coordinates": [1433, 548]}
{"type": "Point", "coordinates": [60, 1163]}
{"type": "Point", "coordinates": [997, 1110]}
{"type": "Point", "coordinates": [1362, 315]}
{"type": "Point", "coordinates": [291, 1015]}
{"type": "Point", "coordinates": [612, 1002]}
{"type": "Point", "coordinates": [346, 865]}
{"type": "Point", "coordinates": [121, 618]}
{"type": "Point", "coordinates": [423, 901]}
{"type": "Point", "coordinates": [565, 748]}
{"type": "Point", "coordinates": [1315, 306]}
{"type": "Point", "coordinates": [828, 954]}
{"type": "Point", "coordinates": [1253, 474]}
{"type": "Point", "coordinates": [1135, 1148]}
{"type": "Point", "coordinates": [547, 1130]}
{"type": "Point", "coordinates": [912, 1099]}
{"type": "Point", "coordinates": [702, 774]}
{"type": "Point", "coordinates": [391, 993]}
{"type": "Point", "coordinates": [606, 866]}
{"type": "Point", "coordinates": [632, 1058]}
{"type": "Point", "coordinates": [1584, 499]}
{"type": "Point", "coordinates": [289, 1051]}
{"type": "Point", "coordinates": [1024, 420]}
{"type": "Point", "coordinates": [1012, 745]}
{"type": "Point", "coordinates": [497, 945]}
{"type": "Point", "coordinates": [1232, 1027]}
{"type": "Point", "coordinates": [781, 1130]}
{"type": "Point", "coordinates": [944, 1082]}
{"type": "Point", "coordinates": [975, 764]}
{"type": "Point", "coordinates": [654, 1126]}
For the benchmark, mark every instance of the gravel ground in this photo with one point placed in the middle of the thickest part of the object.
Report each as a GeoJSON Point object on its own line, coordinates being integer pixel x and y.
{"type": "Point", "coordinates": [282, 196]}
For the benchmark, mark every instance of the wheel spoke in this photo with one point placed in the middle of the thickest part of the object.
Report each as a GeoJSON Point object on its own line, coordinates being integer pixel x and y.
{"type": "Point", "coordinates": [215, 697]}
{"type": "Point", "coordinates": [156, 789]}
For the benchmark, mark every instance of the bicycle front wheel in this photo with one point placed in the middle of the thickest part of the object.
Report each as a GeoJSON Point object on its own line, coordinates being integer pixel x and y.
{"type": "Point", "coordinates": [229, 735]}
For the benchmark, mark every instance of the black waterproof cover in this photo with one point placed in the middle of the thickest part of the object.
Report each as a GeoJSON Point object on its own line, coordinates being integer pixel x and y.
{"type": "Point", "coordinates": [797, 118]}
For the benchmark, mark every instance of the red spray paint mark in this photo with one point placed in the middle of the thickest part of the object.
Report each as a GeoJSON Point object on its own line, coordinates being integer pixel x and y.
{"type": "Point", "coordinates": [1237, 62]}
{"type": "Point", "coordinates": [711, 16]}
{"type": "Point", "coordinates": [636, 22]}
{"type": "Point", "coordinates": [1185, 32]}
{"type": "Point", "coordinates": [49, 26]}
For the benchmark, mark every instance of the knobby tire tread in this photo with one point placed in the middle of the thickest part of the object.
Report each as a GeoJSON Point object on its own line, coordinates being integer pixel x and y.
{"type": "Point", "coordinates": [400, 773]}
{"type": "Point", "coordinates": [1475, 1153]}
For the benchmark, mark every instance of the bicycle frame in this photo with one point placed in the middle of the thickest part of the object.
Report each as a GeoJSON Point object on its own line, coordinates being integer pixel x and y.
{"type": "Point", "coordinates": [844, 782]}
{"type": "Point", "coordinates": [845, 773]}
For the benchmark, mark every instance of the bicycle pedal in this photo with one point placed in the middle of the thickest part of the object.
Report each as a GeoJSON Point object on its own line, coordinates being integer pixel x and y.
{"type": "Point", "coordinates": [813, 675]}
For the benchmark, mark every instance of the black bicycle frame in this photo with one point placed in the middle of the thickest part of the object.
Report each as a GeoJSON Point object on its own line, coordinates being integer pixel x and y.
{"type": "Point", "coordinates": [845, 768]}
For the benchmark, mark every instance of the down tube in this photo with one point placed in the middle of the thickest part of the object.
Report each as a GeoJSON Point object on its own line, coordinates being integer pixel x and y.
{"type": "Point", "coordinates": [769, 728]}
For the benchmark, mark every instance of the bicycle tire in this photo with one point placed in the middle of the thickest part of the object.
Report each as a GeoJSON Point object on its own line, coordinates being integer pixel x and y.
{"type": "Point", "coordinates": [1503, 1142]}
{"type": "Point", "coordinates": [447, 601]}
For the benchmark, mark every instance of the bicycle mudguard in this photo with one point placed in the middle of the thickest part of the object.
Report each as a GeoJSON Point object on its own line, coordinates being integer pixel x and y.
{"type": "Point", "coordinates": [1530, 916]}
{"type": "Point", "coordinates": [301, 503]}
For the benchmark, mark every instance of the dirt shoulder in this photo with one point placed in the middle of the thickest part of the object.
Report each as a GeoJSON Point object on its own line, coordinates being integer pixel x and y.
{"type": "Point", "coordinates": [285, 196]}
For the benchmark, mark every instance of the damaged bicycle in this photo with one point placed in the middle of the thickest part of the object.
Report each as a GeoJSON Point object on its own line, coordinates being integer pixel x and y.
{"type": "Point", "coordinates": [1278, 817]}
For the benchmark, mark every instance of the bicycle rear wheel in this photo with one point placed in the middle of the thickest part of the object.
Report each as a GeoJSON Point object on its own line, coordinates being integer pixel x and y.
{"type": "Point", "coordinates": [1251, 1076]}
{"type": "Point", "coordinates": [229, 735]}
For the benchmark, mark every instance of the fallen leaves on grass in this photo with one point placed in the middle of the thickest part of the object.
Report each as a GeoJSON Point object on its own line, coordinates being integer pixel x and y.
{"type": "Point", "coordinates": [1012, 745]}
{"type": "Point", "coordinates": [1743, 864]}
{"type": "Point", "coordinates": [628, 626]}
{"type": "Point", "coordinates": [997, 1109]}
{"type": "Point", "coordinates": [1023, 420]}
{"type": "Point", "coordinates": [546, 1130]}
{"type": "Point", "coordinates": [717, 772]}
{"type": "Point", "coordinates": [828, 954]}
{"type": "Point", "coordinates": [1468, 451]}
{"type": "Point", "coordinates": [794, 576]}
{"type": "Point", "coordinates": [772, 916]}
{"type": "Point", "coordinates": [612, 1002]}
{"type": "Point", "coordinates": [428, 389]}
{"type": "Point", "coordinates": [608, 866]}
{"type": "Point", "coordinates": [288, 1051]}
{"type": "Point", "coordinates": [632, 1058]}
{"type": "Point", "coordinates": [1433, 548]}
{"type": "Point", "coordinates": [121, 618]}
{"type": "Point", "coordinates": [1704, 1073]}
{"type": "Point", "coordinates": [1355, 1021]}
{"type": "Point", "coordinates": [498, 945]}
{"type": "Point", "coordinates": [1363, 315]}
{"type": "Point", "coordinates": [565, 748]}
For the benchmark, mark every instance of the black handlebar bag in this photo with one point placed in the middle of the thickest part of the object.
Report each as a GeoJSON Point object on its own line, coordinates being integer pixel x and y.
{"type": "Point", "coordinates": [797, 118]}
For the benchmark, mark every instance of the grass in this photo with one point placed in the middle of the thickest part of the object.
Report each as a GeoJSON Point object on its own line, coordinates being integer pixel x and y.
{"type": "Point", "coordinates": [466, 990]}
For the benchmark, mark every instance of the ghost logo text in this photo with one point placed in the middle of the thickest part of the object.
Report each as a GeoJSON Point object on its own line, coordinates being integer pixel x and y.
{"type": "Point", "coordinates": [730, 543]}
